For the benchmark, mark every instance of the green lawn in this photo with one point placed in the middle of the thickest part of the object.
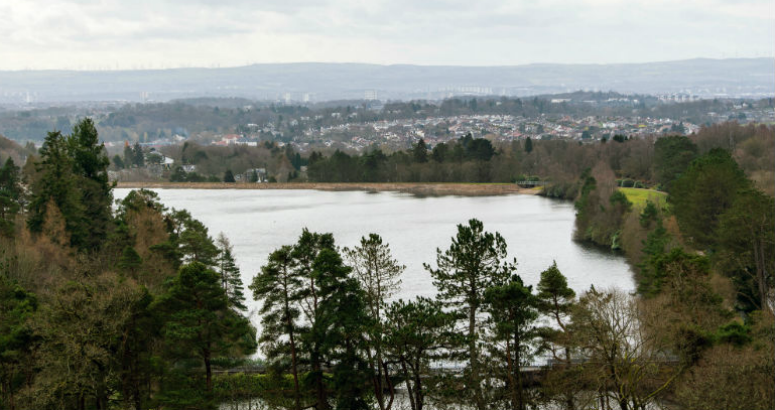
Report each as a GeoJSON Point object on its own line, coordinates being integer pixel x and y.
{"type": "Point", "coordinates": [638, 196]}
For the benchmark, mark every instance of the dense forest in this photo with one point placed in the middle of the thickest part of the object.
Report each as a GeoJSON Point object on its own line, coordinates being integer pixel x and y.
{"type": "Point", "coordinates": [131, 305]}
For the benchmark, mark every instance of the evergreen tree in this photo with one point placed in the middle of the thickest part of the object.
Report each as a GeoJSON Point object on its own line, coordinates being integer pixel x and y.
{"type": "Point", "coordinates": [178, 175]}
{"type": "Point", "coordinates": [672, 156]}
{"type": "Point", "coordinates": [305, 252]}
{"type": "Point", "coordinates": [228, 176]}
{"type": "Point", "coordinates": [195, 244]}
{"type": "Point", "coordinates": [278, 286]}
{"type": "Point", "coordinates": [340, 329]}
{"type": "Point", "coordinates": [416, 333]}
{"type": "Point", "coordinates": [198, 320]}
{"type": "Point", "coordinates": [138, 157]}
{"type": "Point", "coordinates": [129, 156]}
{"type": "Point", "coordinates": [231, 280]}
{"type": "Point", "coordinates": [73, 174]}
{"type": "Point", "coordinates": [10, 196]}
{"type": "Point", "coordinates": [555, 299]}
{"type": "Point", "coordinates": [703, 193]}
{"type": "Point", "coordinates": [56, 182]}
{"type": "Point", "coordinates": [91, 166]}
{"type": "Point", "coordinates": [513, 314]}
{"type": "Point", "coordinates": [130, 261]}
{"type": "Point", "coordinates": [528, 145]}
{"type": "Point", "coordinates": [118, 162]}
{"type": "Point", "coordinates": [420, 152]}
{"type": "Point", "coordinates": [379, 276]}
{"type": "Point", "coordinates": [18, 339]}
{"type": "Point", "coordinates": [746, 243]}
{"type": "Point", "coordinates": [472, 264]}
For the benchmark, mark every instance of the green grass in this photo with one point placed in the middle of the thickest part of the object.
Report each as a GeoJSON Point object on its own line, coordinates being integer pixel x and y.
{"type": "Point", "coordinates": [639, 196]}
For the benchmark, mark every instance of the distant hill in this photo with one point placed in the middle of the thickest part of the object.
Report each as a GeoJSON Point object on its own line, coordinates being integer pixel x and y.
{"type": "Point", "coordinates": [329, 81]}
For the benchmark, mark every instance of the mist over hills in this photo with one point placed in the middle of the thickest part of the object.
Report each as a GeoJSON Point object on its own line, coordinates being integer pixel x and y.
{"type": "Point", "coordinates": [300, 82]}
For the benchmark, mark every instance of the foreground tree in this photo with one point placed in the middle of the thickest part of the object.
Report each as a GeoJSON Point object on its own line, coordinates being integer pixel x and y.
{"type": "Point", "coordinates": [231, 280]}
{"type": "Point", "coordinates": [278, 287]}
{"type": "Point", "coordinates": [198, 320]}
{"type": "Point", "coordinates": [82, 326]}
{"type": "Point", "coordinates": [305, 252]}
{"type": "Point", "coordinates": [513, 314]}
{"type": "Point", "coordinates": [473, 263]}
{"type": "Point", "coordinates": [416, 332]}
{"type": "Point", "coordinates": [624, 361]}
{"type": "Point", "coordinates": [555, 299]}
{"type": "Point", "coordinates": [340, 329]}
{"type": "Point", "coordinates": [379, 276]}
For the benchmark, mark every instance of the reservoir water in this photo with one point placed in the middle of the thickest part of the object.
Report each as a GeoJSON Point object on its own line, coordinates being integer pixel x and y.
{"type": "Point", "coordinates": [537, 230]}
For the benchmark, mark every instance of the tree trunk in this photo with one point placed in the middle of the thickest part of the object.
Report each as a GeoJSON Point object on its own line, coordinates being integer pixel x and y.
{"type": "Point", "coordinates": [475, 381]}
{"type": "Point", "coordinates": [511, 383]}
{"type": "Point", "coordinates": [320, 388]}
{"type": "Point", "coordinates": [294, 361]}
{"type": "Point", "coordinates": [390, 386]}
{"type": "Point", "coordinates": [208, 370]}
{"type": "Point", "coordinates": [409, 380]}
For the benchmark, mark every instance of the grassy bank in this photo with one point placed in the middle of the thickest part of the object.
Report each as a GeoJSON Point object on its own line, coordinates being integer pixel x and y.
{"type": "Point", "coordinates": [639, 196]}
{"type": "Point", "coordinates": [422, 189]}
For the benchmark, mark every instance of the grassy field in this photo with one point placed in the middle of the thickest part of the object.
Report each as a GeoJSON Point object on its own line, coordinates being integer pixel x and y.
{"type": "Point", "coordinates": [638, 196]}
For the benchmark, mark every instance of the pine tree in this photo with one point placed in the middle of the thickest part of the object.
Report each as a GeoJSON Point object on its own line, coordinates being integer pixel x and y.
{"type": "Point", "coordinates": [56, 182]}
{"type": "Point", "coordinates": [513, 314]}
{"type": "Point", "coordinates": [73, 173]}
{"type": "Point", "coordinates": [138, 158]}
{"type": "Point", "coordinates": [306, 250]}
{"type": "Point", "coordinates": [193, 240]}
{"type": "Point", "coordinates": [420, 152]}
{"type": "Point", "coordinates": [416, 333]}
{"type": "Point", "coordinates": [340, 329]}
{"type": "Point", "coordinates": [10, 196]}
{"type": "Point", "coordinates": [231, 280]}
{"type": "Point", "coordinates": [555, 299]}
{"type": "Point", "coordinates": [472, 264]}
{"type": "Point", "coordinates": [198, 320]}
{"type": "Point", "coordinates": [379, 276]}
{"type": "Point", "coordinates": [278, 286]}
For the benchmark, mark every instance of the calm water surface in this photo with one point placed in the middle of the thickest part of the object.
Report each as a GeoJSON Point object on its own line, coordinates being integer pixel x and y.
{"type": "Point", "coordinates": [537, 230]}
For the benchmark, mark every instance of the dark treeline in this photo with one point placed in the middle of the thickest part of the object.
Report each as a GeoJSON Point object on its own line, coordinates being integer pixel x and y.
{"type": "Point", "coordinates": [134, 306]}
{"type": "Point", "coordinates": [561, 162]}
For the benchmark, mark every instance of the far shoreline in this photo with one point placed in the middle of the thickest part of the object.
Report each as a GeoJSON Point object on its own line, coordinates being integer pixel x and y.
{"type": "Point", "coordinates": [420, 189]}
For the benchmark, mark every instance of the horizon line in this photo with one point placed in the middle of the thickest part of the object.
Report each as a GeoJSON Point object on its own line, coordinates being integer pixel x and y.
{"type": "Point", "coordinates": [142, 68]}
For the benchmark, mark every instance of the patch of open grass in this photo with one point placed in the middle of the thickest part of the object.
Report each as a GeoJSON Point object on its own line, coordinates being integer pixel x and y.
{"type": "Point", "coordinates": [639, 196]}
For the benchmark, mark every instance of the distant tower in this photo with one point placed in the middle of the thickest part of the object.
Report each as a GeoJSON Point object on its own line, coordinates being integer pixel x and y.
{"type": "Point", "coordinates": [370, 95]}
{"type": "Point", "coordinates": [287, 98]}
{"type": "Point", "coordinates": [144, 96]}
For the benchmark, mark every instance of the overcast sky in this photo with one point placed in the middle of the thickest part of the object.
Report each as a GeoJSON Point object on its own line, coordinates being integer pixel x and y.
{"type": "Point", "coordinates": [126, 34]}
